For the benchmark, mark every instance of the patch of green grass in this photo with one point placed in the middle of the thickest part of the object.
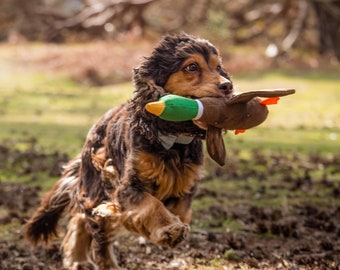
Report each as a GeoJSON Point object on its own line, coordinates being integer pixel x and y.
{"type": "Point", "coordinates": [9, 231]}
{"type": "Point", "coordinates": [231, 225]}
{"type": "Point", "coordinates": [314, 105]}
{"type": "Point", "coordinates": [57, 100]}
{"type": "Point", "coordinates": [51, 137]}
{"type": "Point", "coordinates": [306, 140]}
{"type": "Point", "coordinates": [53, 109]}
{"type": "Point", "coordinates": [231, 255]}
{"type": "Point", "coordinates": [203, 203]}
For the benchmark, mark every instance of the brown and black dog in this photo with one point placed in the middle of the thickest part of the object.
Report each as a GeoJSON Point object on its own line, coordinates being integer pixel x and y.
{"type": "Point", "coordinates": [135, 171]}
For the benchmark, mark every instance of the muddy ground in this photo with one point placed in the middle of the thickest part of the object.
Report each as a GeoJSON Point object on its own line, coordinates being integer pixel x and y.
{"type": "Point", "coordinates": [232, 228]}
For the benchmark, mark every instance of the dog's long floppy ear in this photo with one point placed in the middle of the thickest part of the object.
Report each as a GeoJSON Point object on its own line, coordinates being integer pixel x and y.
{"type": "Point", "coordinates": [146, 90]}
{"type": "Point", "coordinates": [215, 145]}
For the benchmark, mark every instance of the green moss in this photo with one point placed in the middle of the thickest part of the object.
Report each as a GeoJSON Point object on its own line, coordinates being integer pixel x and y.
{"type": "Point", "coordinates": [231, 256]}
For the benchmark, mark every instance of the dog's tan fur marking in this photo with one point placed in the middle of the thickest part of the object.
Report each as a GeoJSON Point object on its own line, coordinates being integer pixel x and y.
{"type": "Point", "coordinates": [172, 177]}
{"type": "Point", "coordinates": [152, 220]}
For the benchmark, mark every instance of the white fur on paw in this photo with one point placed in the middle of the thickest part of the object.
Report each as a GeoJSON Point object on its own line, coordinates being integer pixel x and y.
{"type": "Point", "coordinates": [105, 210]}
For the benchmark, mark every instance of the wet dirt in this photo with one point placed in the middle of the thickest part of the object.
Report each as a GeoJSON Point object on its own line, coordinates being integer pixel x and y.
{"type": "Point", "coordinates": [302, 232]}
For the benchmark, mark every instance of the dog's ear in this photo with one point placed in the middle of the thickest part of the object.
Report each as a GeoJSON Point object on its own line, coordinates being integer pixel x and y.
{"type": "Point", "coordinates": [215, 145]}
{"type": "Point", "coordinates": [146, 88]}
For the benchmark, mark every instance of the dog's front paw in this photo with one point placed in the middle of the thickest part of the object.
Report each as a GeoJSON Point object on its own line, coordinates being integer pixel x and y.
{"type": "Point", "coordinates": [171, 235]}
{"type": "Point", "coordinates": [106, 210]}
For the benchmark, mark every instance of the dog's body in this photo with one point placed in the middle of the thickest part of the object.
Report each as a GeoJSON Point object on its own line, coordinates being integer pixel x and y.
{"type": "Point", "coordinates": [136, 171]}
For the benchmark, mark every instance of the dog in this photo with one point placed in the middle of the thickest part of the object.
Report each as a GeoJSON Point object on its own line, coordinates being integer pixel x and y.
{"type": "Point", "coordinates": [135, 171]}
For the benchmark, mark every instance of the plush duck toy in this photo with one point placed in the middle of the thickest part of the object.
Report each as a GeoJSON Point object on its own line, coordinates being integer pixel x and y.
{"type": "Point", "coordinates": [234, 112]}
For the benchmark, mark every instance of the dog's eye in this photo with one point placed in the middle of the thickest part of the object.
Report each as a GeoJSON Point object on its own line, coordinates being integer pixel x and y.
{"type": "Point", "coordinates": [222, 72]}
{"type": "Point", "coordinates": [191, 68]}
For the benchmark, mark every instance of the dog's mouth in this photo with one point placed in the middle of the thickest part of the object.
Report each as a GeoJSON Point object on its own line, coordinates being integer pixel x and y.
{"type": "Point", "coordinates": [215, 95]}
{"type": "Point", "coordinates": [221, 94]}
{"type": "Point", "coordinates": [224, 91]}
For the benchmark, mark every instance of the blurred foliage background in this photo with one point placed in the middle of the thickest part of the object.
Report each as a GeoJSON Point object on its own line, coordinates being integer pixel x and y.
{"type": "Point", "coordinates": [312, 24]}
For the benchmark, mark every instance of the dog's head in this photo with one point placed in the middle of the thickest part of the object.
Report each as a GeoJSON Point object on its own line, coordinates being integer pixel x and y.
{"type": "Point", "coordinates": [187, 66]}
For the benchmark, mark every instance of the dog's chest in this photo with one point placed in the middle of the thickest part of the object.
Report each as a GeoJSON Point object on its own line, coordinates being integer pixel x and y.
{"type": "Point", "coordinates": [166, 178]}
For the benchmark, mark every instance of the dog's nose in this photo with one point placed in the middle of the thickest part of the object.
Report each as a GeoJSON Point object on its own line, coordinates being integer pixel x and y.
{"type": "Point", "coordinates": [225, 85]}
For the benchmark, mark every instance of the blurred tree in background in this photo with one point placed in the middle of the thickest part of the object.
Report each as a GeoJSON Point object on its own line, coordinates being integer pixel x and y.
{"type": "Point", "coordinates": [280, 24]}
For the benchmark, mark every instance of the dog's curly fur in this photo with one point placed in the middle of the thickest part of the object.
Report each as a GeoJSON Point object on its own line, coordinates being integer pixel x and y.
{"type": "Point", "coordinates": [125, 176]}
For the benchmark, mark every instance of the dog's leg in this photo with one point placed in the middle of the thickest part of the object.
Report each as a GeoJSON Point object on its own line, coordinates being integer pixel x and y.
{"type": "Point", "coordinates": [145, 214]}
{"type": "Point", "coordinates": [181, 207]}
{"type": "Point", "coordinates": [76, 245]}
{"type": "Point", "coordinates": [103, 229]}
